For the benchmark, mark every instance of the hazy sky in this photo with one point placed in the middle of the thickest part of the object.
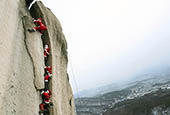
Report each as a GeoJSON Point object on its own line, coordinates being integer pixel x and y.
{"type": "Point", "coordinates": [111, 40]}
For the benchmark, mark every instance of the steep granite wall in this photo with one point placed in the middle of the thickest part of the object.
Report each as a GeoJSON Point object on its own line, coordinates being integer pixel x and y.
{"type": "Point", "coordinates": [22, 61]}
{"type": "Point", "coordinates": [62, 96]}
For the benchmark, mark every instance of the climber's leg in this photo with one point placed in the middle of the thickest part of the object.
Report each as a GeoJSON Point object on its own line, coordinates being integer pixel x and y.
{"type": "Point", "coordinates": [46, 85]}
{"type": "Point", "coordinates": [45, 58]}
{"type": "Point", "coordinates": [51, 104]}
{"type": "Point", "coordinates": [45, 54]}
{"type": "Point", "coordinates": [42, 36]}
{"type": "Point", "coordinates": [31, 30]}
{"type": "Point", "coordinates": [46, 112]}
{"type": "Point", "coordinates": [42, 28]}
{"type": "Point", "coordinates": [34, 29]}
{"type": "Point", "coordinates": [41, 32]}
{"type": "Point", "coordinates": [41, 108]}
{"type": "Point", "coordinates": [40, 112]}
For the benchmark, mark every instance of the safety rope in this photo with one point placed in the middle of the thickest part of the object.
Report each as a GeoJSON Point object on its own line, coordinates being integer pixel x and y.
{"type": "Point", "coordinates": [75, 82]}
{"type": "Point", "coordinates": [74, 78]}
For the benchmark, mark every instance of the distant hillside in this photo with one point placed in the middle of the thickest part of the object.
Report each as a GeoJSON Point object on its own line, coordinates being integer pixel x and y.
{"type": "Point", "coordinates": [136, 90]}
{"type": "Point", "coordinates": [157, 103]}
{"type": "Point", "coordinates": [155, 72]}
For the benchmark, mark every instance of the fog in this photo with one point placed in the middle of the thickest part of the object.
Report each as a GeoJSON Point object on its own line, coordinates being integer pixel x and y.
{"type": "Point", "coordinates": [113, 40]}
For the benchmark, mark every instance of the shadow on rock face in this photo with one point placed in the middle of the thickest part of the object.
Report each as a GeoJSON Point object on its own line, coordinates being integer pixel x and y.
{"type": "Point", "coordinates": [28, 2]}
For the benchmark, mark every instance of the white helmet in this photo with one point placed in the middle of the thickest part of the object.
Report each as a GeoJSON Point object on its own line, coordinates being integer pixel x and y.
{"type": "Point", "coordinates": [46, 46]}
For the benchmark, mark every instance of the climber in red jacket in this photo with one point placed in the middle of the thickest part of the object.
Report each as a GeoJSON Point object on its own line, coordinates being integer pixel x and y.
{"type": "Point", "coordinates": [46, 94]}
{"type": "Point", "coordinates": [41, 27]}
{"type": "Point", "coordinates": [46, 51]}
{"type": "Point", "coordinates": [48, 69]}
{"type": "Point", "coordinates": [47, 77]}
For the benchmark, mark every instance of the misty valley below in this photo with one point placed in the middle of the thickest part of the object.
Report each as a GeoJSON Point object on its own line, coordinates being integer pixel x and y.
{"type": "Point", "coordinates": [148, 95]}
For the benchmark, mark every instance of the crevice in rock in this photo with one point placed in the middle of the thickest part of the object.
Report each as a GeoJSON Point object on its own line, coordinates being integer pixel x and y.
{"type": "Point", "coordinates": [36, 13]}
{"type": "Point", "coordinates": [28, 2]}
{"type": "Point", "coordinates": [70, 102]}
{"type": "Point", "coordinates": [68, 77]}
{"type": "Point", "coordinates": [31, 3]}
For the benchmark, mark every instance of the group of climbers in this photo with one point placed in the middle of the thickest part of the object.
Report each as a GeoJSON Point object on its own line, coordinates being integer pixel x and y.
{"type": "Point", "coordinates": [45, 93]}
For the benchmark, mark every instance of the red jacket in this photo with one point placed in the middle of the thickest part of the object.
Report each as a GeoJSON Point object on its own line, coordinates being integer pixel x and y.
{"type": "Point", "coordinates": [41, 26]}
{"type": "Point", "coordinates": [46, 52]}
{"type": "Point", "coordinates": [48, 69]}
{"type": "Point", "coordinates": [47, 77]}
{"type": "Point", "coordinates": [39, 21]}
{"type": "Point", "coordinates": [46, 95]}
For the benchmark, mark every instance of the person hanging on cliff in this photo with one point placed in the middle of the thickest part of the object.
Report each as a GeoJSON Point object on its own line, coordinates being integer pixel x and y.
{"type": "Point", "coordinates": [48, 69]}
{"type": "Point", "coordinates": [41, 27]}
{"type": "Point", "coordinates": [47, 77]}
{"type": "Point", "coordinates": [46, 51]}
{"type": "Point", "coordinates": [46, 94]}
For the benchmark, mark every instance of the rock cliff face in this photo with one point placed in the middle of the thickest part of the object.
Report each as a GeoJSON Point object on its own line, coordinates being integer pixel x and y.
{"type": "Point", "coordinates": [22, 61]}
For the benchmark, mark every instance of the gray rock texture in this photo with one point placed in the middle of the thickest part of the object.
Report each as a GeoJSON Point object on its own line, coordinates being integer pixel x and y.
{"type": "Point", "coordinates": [22, 61]}
{"type": "Point", "coordinates": [62, 96]}
{"type": "Point", "coordinates": [34, 47]}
